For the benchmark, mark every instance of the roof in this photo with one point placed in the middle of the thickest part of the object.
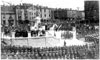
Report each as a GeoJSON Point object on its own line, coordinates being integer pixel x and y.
{"type": "Point", "coordinates": [7, 8]}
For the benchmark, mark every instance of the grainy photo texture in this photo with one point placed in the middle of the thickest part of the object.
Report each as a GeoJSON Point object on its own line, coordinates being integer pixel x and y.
{"type": "Point", "coordinates": [49, 29]}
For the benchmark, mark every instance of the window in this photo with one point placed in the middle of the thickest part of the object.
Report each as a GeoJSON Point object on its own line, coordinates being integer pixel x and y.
{"type": "Point", "coordinates": [45, 15]}
{"type": "Point", "coordinates": [19, 17]}
{"type": "Point", "coordinates": [49, 15]}
{"type": "Point", "coordinates": [41, 15]}
{"type": "Point", "coordinates": [40, 10]}
{"type": "Point", "coordinates": [11, 22]}
{"type": "Point", "coordinates": [30, 13]}
{"type": "Point", "coordinates": [26, 17]}
{"type": "Point", "coordinates": [20, 12]}
{"type": "Point", "coordinates": [34, 13]}
{"type": "Point", "coordinates": [44, 10]}
{"type": "Point", "coordinates": [32, 17]}
{"type": "Point", "coordinates": [3, 16]}
{"type": "Point", "coordinates": [10, 17]}
{"type": "Point", "coordinates": [4, 22]}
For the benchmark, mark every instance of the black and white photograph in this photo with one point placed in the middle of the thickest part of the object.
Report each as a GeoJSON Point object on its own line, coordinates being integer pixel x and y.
{"type": "Point", "coordinates": [49, 29]}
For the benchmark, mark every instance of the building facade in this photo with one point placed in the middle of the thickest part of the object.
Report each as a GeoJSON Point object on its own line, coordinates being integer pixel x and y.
{"type": "Point", "coordinates": [91, 10]}
{"type": "Point", "coordinates": [22, 12]}
{"type": "Point", "coordinates": [30, 12]}
{"type": "Point", "coordinates": [75, 14]}
{"type": "Point", "coordinates": [72, 14]}
{"type": "Point", "coordinates": [60, 14]}
{"type": "Point", "coordinates": [81, 15]}
{"type": "Point", "coordinates": [44, 12]}
{"type": "Point", "coordinates": [33, 12]}
{"type": "Point", "coordinates": [8, 15]}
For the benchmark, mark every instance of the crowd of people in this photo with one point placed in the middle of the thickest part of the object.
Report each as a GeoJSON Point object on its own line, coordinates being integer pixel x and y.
{"type": "Point", "coordinates": [65, 52]}
{"type": "Point", "coordinates": [85, 29]}
{"type": "Point", "coordinates": [92, 39]}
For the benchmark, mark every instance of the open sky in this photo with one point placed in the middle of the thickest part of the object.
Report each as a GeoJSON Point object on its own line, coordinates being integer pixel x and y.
{"type": "Point", "coordinates": [74, 4]}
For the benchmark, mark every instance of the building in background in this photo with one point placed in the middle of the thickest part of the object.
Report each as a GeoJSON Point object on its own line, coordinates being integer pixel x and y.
{"type": "Point", "coordinates": [8, 15]}
{"type": "Point", "coordinates": [60, 14]}
{"type": "Point", "coordinates": [52, 13]}
{"type": "Point", "coordinates": [33, 12]}
{"type": "Point", "coordinates": [75, 15]}
{"type": "Point", "coordinates": [68, 14]}
{"type": "Point", "coordinates": [72, 14]}
{"type": "Point", "coordinates": [22, 12]}
{"type": "Point", "coordinates": [30, 12]}
{"type": "Point", "coordinates": [81, 15]}
{"type": "Point", "coordinates": [92, 11]}
{"type": "Point", "coordinates": [44, 12]}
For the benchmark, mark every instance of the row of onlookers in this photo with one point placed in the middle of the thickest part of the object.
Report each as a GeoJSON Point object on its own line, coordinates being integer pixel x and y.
{"type": "Point", "coordinates": [65, 52]}
{"type": "Point", "coordinates": [87, 29]}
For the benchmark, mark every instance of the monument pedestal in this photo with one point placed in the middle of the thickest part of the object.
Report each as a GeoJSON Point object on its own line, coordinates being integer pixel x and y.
{"type": "Point", "coordinates": [29, 34]}
{"type": "Point", "coordinates": [74, 33]}
{"type": "Point", "coordinates": [13, 34]}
